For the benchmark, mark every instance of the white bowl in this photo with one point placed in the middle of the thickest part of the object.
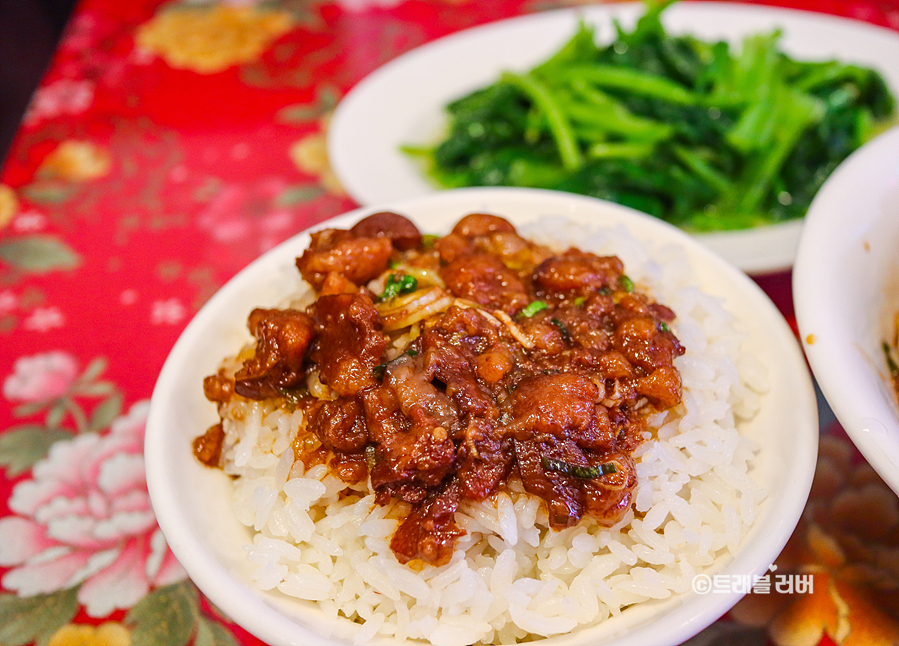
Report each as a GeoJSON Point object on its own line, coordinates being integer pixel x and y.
{"type": "Point", "coordinates": [846, 293]}
{"type": "Point", "coordinates": [192, 502]}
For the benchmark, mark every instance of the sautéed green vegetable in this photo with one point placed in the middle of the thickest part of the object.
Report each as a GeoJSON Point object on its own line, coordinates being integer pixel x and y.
{"type": "Point", "coordinates": [705, 135]}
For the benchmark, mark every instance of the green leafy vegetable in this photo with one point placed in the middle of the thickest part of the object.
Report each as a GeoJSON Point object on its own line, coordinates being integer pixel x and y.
{"type": "Point", "coordinates": [705, 135]}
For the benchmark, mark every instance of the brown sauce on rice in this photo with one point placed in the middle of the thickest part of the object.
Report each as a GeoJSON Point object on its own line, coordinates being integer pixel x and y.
{"type": "Point", "coordinates": [447, 369]}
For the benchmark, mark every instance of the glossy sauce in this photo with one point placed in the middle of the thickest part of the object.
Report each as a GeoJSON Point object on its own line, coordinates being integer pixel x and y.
{"type": "Point", "coordinates": [461, 365]}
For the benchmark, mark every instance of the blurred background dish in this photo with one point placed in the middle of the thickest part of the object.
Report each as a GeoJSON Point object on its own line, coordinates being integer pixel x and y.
{"type": "Point", "coordinates": [403, 102]}
{"type": "Point", "coordinates": [192, 502]}
{"type": "Point", "coordinates": [846, 293]}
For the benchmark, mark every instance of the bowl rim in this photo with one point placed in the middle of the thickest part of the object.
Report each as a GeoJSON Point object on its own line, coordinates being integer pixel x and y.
{"type": "Point", "coordinates": [836, 236]}
{"type": "Point", "coordinates": [691, 612]}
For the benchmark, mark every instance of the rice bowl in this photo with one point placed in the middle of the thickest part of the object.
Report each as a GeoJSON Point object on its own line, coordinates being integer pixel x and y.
{"type": "Point", "coordinates": [700, 507]}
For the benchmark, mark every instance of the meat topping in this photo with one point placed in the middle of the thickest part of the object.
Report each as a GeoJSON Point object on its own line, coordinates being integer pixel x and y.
{"type": "Point", "coordinates": [282, 337]}
{"type": "Point", "coordinates": [485, 280]}
{"type": "Point", "coordinates": [397, 228]}
{"type": "Point", "coordinates": [348, 342]}
{"type": "Point", "coordinates": [496, 364]}
{"type": "Point", "coordinates": [358, 259]}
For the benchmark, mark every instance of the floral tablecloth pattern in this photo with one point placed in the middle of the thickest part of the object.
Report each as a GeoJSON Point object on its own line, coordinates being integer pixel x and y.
{"type": "Point", "coordinates": [170, 144]}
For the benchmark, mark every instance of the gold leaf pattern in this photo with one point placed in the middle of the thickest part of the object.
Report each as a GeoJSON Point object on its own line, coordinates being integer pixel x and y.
{"type": "Point", "coordinates": [210, 40]}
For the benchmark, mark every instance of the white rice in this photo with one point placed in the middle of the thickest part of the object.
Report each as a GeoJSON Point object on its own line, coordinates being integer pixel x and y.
{"type": "Point", "coordinates": [511, 577]}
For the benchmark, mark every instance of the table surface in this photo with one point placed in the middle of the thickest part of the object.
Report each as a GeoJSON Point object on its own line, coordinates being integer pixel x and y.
{"type": "Point", "coordinates": [141, 179]}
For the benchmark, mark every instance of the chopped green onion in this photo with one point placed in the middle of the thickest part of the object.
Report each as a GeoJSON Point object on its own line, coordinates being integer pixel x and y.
{"type": "Point", "coordinates": [396, 286]}
{"type": "Point", "coordinates": [587, 473]}
{"type": "Point", "coordinates": [664, 327]}
{"type": "Point", "coordinates": [604, 291]}
{"type": "Point", "coordinates": [532, 309]}
{"type": "Point", "coordinates": [428, 240]}
{"type": "Point", "coordinates": [566, 335]}
{"type": "Point", "coordinates": [579, 301]}
{"type": "Point", "coordinates": [625, 283]}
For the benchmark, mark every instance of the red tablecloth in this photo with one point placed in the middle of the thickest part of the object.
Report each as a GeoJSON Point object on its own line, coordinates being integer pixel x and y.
{"type": "Point", "coordinates": [163, 151]}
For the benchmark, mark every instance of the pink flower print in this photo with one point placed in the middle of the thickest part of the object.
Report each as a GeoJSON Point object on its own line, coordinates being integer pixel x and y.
{"type": "Point", "coordinates": [363, 5]}
{"type": "Point", "coordinates": [128, 297]}
{"type": "Point", "coordinates": [43, 319]}
{"type": "Point", "coordinates": [8, 302]}
{"type": "Point", "coordinates": [275, 228]}
{"type": "Point", "coordinates": [41, 377]}
{"type": "Point", "coordinates": [81, 32]}
{"type": "Point", "coordinates": [29, 222]}
{"type": "Point", "coordinates": [92, 48]}
{"type": "Point", "coordinates": [169, 312]}
{"type": "Point", "coordinates": [84, 520]}
{"type": "Point", "coordinates": [65, 96]}
{"type": "Point", "coordinates": [223, 217]}
{"type": "Point", "coordinates": [238, 214]}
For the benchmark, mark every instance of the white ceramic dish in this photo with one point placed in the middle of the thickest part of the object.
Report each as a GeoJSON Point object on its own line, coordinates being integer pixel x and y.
{"type": "Point", "coordinates": [402, 102]}
{"type": "Point", "coordinates": [846, 292]}
{"type": "Point", "coordinates": [192, 502]}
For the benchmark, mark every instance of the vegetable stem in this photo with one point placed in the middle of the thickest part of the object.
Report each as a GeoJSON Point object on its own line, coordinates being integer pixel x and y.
{"type": "Point", "coordinates": [633, 81]}
{"type": "Point", "coordinates": [558, 122]}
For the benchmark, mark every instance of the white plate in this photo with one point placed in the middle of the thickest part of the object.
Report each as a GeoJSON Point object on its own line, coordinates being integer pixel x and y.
{"type": "Point", "coordinates": [402, 102]}
{"type": "Point", "coordinates": [846, 292]}
{"type": "Point", "coordinates": [192, 502]}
